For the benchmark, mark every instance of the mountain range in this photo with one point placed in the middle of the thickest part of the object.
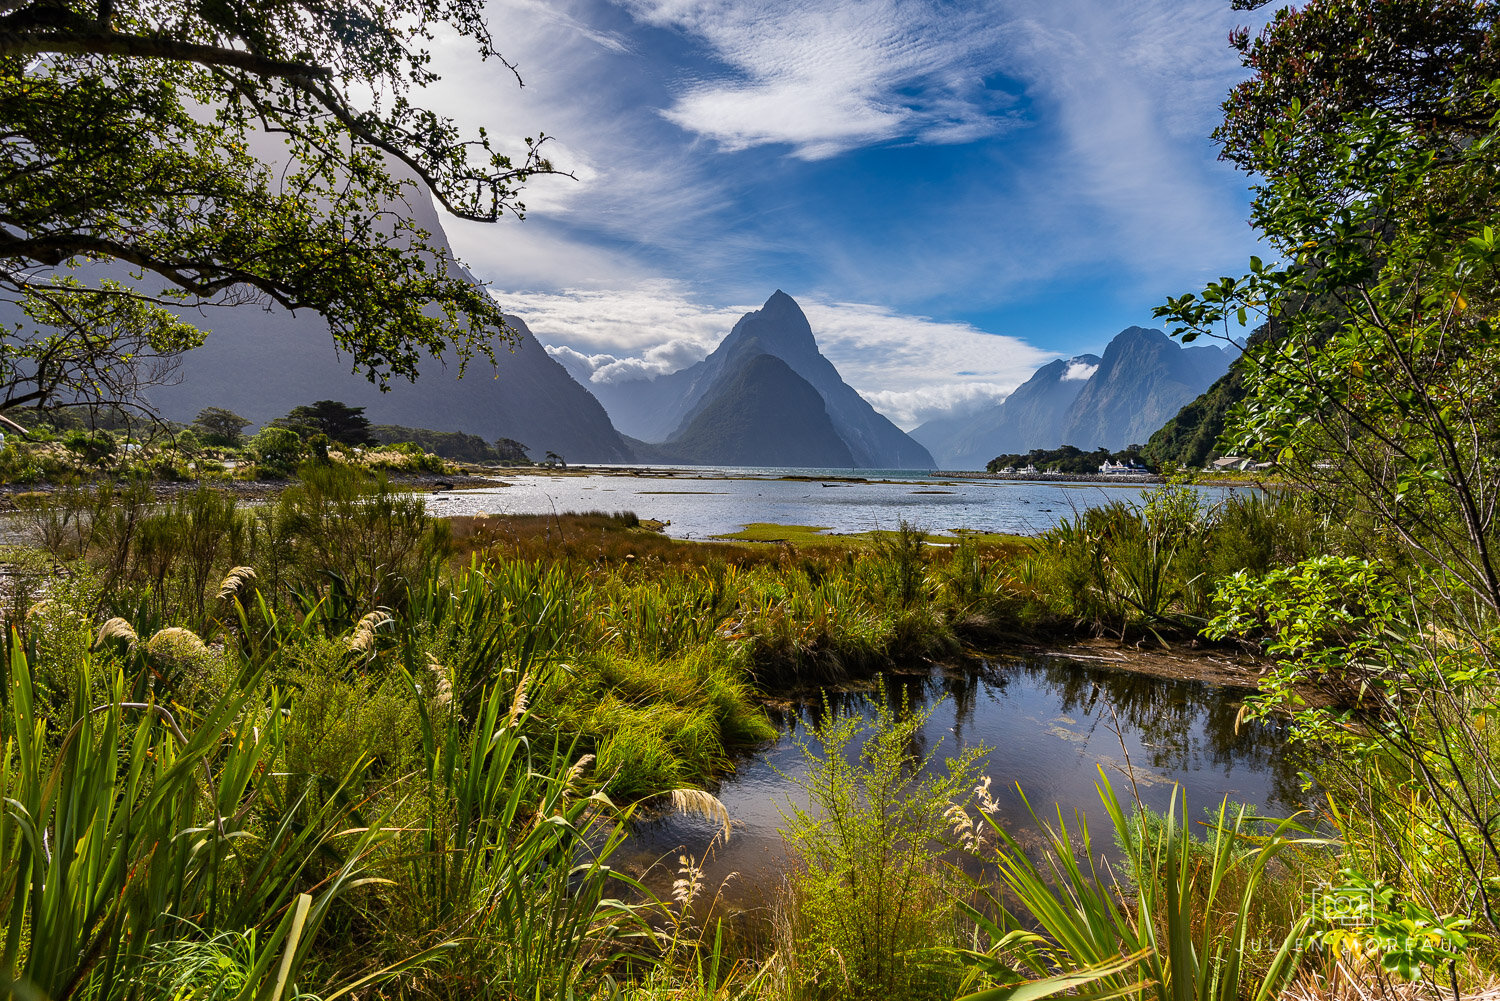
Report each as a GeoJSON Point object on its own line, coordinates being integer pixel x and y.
{"type": "Point", "coordinates": [1143, 379]}
{"type": "Point", "coordinates": [689, 415]}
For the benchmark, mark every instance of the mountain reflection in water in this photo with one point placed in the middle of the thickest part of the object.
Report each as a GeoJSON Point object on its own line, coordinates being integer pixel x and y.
{"type": "Point", "coordinates": [1047, 723]}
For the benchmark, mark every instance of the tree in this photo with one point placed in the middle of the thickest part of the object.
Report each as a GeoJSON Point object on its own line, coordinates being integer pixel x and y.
{"type": "Point", "coordinates": [339, 421]}
{"type": "Point", "coordinates": [510, 450]}
{"type": "Point", "coordinates": [1378, 389]}
{"type": "Point", "coordinates": [1424, 65]}
{"type": "Point", "coordinates": [218, 426]}
{"type": "Point", "coordinates": [126, 136]}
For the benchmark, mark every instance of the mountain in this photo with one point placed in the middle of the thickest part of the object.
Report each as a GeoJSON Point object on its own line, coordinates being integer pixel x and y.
{"type": "Point", "coordinates": [1120, 399]}
{"type": "Point", "coordinates": [761, 414]}
{"type": "Point", "coordinates": [262, 362]}
{"type": "Point", "coordinates": [1191, 438]}
{"type": "Point", "coordinates": [1144, 378]}
{"type": "Point", "coordinates": [260, 365]}
{"type": "Point", "coordinates": [1029, 416]}
{"type": "Point", "coordinates": [662, 409]}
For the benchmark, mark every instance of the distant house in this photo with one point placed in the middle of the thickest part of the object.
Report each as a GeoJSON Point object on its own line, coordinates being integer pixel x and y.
{"type": "Point", "coordinates": [1131, 468]}
{"type": "Point", "coordinates": [1230, 462]}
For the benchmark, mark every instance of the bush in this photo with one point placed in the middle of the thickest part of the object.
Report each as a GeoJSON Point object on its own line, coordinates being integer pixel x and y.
{"type": "Point", "coordinates": [871, 898]}
{"type": "Point", "coordinates": [276, 450]}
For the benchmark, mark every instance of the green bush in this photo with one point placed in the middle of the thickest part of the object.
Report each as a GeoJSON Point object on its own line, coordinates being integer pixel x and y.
{"type": "Point", "coordinates": [277, 450]}
{"type": "Point", "coordinates": [871, 900]}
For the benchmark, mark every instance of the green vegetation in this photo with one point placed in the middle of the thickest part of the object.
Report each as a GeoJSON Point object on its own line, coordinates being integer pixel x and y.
{"type": "Point", "coordinates": [1067, 459]}
{"type": "Point", "coordinates": [329, 746]}
{"type": "Point", "coordinates": [132, 128]}
{"type": "Point", "coordinates": [454, 445]}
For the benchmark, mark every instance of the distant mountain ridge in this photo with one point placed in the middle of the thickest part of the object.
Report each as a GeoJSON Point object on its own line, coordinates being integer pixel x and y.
{"type": "Point", "coordinates": [1143, 379]}
{"type": "Point", "coordinates": [1031, 414]}
{"type": "Point", "coordinates": [667, 410]}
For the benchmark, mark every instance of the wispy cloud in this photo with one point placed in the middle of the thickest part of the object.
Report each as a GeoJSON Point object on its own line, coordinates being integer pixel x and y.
{"type": "Point", "coordinates": [1079, 371]}
{"type": "Point", "coordinates": [824, 76]}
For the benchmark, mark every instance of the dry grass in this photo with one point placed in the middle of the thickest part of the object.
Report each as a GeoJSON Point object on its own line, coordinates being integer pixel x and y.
{"type": "Point", "coordinates": [1349, 983]}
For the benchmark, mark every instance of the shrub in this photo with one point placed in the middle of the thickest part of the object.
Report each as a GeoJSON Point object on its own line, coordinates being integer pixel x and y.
{"type": "Point", "coordinates": [276, 450]}
{"type": "Point", "coordinates": [871, 896]}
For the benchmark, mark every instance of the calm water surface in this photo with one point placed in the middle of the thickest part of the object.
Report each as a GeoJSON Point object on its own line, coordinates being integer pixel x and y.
{"type": "Point", "coordinates": [700, 502]}
{"type": "Point", "coordinates": [1047, 724]}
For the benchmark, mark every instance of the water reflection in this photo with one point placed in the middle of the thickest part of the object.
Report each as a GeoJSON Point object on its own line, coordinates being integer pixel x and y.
{"type": "Point", "coordinates": [1048, 725]}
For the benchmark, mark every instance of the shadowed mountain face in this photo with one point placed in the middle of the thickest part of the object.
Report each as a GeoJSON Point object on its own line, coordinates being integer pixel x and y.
{"type": "Point", "coordinates": [664, 408]}
{"type": "Point", "coordinates": [761, 414]}
{"type": "Point", "coordinates": [260, 365]}
{"type": "Point", "coordinates": [1142, 380]}
{"type": "Point", "coordinates": [1033, 413]}
{"type": "Point", "coordinates": [262, 362]}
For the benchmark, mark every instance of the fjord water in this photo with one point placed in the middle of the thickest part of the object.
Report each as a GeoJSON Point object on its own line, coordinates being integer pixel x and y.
{"type": "Point", "coordinates": [699, 501]}
{"type": "Point", "coordinates": [1048, 725]}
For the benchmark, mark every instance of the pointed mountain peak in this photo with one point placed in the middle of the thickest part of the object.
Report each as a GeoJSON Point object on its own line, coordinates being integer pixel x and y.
{"type": "Point", "coordinates": [780, 324]}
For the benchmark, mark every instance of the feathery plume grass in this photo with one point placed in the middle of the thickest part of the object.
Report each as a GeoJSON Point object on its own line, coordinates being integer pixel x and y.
{"type": "Point", "coordinates": [176, 643]}
{"type": "Point", "coordinates": [116, 629]}
{"type": "Point", "coordinates": [362, 639]}
{"type": "Point", "coordinates": [574, 784]}
{"type": "Point", "coordinates": [705, 805]}
{"type": "Point", "coordinates": [442, 688]}
{"type": "Point", "coordinates": [520, 702]}
{"type": "Point", "coordinates": [688, 882]}
{"type": "Point", "coordinates": [235, 582]}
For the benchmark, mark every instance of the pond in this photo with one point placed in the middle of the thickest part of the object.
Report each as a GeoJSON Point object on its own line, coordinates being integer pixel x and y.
{"type": "Point", "coordinates": [1047, 723]}
{"type": "Point", "coordinates": [699, 503]}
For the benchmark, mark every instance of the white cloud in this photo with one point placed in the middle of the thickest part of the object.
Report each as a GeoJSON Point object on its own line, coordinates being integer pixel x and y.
{"type": "Point", "coordinates": [1079, 371]}
{"type": "Point", "coordinates": [828, 75]}
{"type": "Point", "coordinates": [910, 368]}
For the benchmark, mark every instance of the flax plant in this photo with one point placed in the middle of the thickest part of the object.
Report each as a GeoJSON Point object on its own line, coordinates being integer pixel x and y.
{"type": "Point", "coordinates": [1187, 920]}
{"type": "Point", "coordinates": [125, 826]}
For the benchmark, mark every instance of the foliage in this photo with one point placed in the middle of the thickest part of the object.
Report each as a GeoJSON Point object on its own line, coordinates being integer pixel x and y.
{"type": "Point", "coordinates": [130, 134]}
{"type": "Point", "coordinates": [1422, 64]}
{"type": "Point", "coordinates": [1361, 919]}
{"type": "Point", "coordinates": [338, 421]}
{"type": "Point", "coordinates": [449, 444]}
{"type": "Point", "coordinates": [1067, 459]}
{"type": "Point", "coordinates": [1152, 566]}
{"type": "Point", "coordinates": [218, 426]}
{"type": "Point", "coordinates": [871, 896]}
{"type": "Point", "coordinates": [1186, 922]}
{"type": "Point", "coordinates": [98, 346]}
{"type": "Point", "coordinates": [112, 847]}
{"type": "Point", "coordinates": [1388, 396]}
{"type": "Point", "coordinates": [277, 450]}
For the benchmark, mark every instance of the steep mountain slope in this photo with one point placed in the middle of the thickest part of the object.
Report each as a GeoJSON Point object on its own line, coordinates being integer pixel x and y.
{"type": "Point", "coordinates": [260, 365]}
{"type": "Point", "coordinates": [262, 362]}
{"type": "Point", "coordinates": [1143, 379]}
{"type": "Point", "coordinates": [1029, 416]}
{"type": "Point", "coordinates": [658, 409]}
{"type": "Point", "coordinates": [761, 414]}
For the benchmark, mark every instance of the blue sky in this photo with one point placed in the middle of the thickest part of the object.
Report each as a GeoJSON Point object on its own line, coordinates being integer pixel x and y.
{"type": "Point", "coordinates": [956, 192]}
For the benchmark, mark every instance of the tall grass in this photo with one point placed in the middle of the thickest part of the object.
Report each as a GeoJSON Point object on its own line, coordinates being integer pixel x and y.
{"type": "Point", "coordinates": [1187, 909]}
{"type": "Point", "coordinates": [123, 830]}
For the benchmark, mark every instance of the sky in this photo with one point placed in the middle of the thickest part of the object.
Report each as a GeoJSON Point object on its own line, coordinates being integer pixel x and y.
{"type": "Point", "coordinates": [955, 191]}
